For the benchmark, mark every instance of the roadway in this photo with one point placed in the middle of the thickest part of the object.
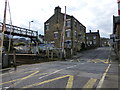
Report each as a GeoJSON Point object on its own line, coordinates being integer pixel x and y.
{"type": "Point", "coordinates": [85, 70]}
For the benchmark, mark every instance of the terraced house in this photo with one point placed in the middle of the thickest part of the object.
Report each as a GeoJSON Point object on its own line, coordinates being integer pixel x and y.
{"type": "Point", "coordinates": [93, 39]}
{"type": "Point", "coordinates": [74, 31]}
{"type": "Point", "coordinates": [116, 33]}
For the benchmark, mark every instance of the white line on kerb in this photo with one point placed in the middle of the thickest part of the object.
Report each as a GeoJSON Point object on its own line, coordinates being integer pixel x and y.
{"type": "Point", "coordinates": [57, 71]}
{"type": "Point", "coordinates": [103, 77]}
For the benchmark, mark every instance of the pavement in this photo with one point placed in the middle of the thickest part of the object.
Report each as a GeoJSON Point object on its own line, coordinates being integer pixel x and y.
{"type": "Point", "coordinates": [112, 77]}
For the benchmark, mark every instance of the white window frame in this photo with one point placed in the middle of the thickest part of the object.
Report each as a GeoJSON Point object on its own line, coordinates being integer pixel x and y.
{"type": "Point", "coordinates": [94, 37]}
{"type": "Point", "coordinates": [94, 42]}
{"type": "Point", "coordinates": [56, 37]}
{"type": "Point", "coordinates": [87, 38]}
{"type": "Point", "coordinates": [47, 26]}
{"type": "Point", "coordinates": [68, 30]}
{"type": "Point", "coordinates": [68, 24]}
{"type": "Point", "coordinates": [75, 33]}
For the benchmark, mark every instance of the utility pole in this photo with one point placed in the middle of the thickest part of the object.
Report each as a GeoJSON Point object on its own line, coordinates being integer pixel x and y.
{"type": "Point", "coordinates": [63, 34]}
{"type": "Point", "coordinates": [10, 29]}
{"type": "Point", "coordinates": [3, 27]}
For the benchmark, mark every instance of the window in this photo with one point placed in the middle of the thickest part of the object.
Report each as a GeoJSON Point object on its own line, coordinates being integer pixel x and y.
{"type": "Point", "coordinates": [68, 43]}
{"type": "Point", "coordinates": [90, 42]}
{"type": "Point", "coordinates": [67, 34]}
{"type": "Point", "coordinates": [86, 37]}
{"type": "Point", "coordinates": [47, 26]}
{"type": "Point", "coordinates": [94, 37]}
{"type": "Point", "coordinates": [94, 42]}
{"type": "Point", "coordinates": [75, 34]}
{"type": "Point", "coordinates": [52, 42]}
{"type": "Point", "coordinates": [87, 42]}
{"type": "Point", "coordinates": [55, 35]}
{"type": "Point", "coordinates": [75, 22]}
{"type": "Point", "coordinates": [68, 23]}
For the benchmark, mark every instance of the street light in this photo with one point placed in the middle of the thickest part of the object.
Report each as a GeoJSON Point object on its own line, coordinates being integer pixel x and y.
{"type": "Point", "coordinates": [29, 29]}
{"type": "Point", "coordinates": [30, 24]}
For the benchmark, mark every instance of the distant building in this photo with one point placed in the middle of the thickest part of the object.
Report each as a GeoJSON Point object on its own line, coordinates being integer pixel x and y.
{"type": "Point", "coordinates": [105, 42]}
{"type": "Point", "coordinates": [116, 34]}
{"type": "Point", "coordinates": [41, 38]}
{"type": "Point", "coordinates": [74, 31]}
{"type": "Point", "coordinates": [93, 39]}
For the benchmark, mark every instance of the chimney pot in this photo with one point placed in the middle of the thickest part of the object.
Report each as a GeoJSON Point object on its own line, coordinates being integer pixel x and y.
{"type": "Point", "coordinates": [90, 31]}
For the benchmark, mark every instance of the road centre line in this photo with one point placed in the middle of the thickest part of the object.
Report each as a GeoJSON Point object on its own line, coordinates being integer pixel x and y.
{"type": "Point", "coordinates": [103, 77]}
{"type": "Point", "coordinates": [50, 80]}
{"type": "Point", "coordinates": [20, 78]}
{"type": "Point", "coordinates": [57, 71]}
{"type": "Point", "coordinates": [90, 83]}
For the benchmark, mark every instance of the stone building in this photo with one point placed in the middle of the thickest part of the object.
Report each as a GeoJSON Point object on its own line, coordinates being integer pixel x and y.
{"type": "Point", "coordinates": [93, 39]}
{"type": "Point", "coordinates": [116, 33]}
{"type": "Point", "coordinates": [105, 42]}
{"type": "Point", "coordinates": [74, 31]}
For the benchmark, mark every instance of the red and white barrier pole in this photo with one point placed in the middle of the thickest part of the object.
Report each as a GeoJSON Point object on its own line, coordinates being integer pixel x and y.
{"type": "Point", "coordinates": [118, 7]}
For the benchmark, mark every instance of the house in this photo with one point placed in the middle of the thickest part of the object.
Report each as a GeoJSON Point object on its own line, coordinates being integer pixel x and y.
{"type": "Point", "coordinates": [116, 34]}
{"type": "Point", "coordinates": [74, 31]}
{"type": "Point", "coordinates": [105, 42]}
{"type": "Point", "coordinates": [93, 39]}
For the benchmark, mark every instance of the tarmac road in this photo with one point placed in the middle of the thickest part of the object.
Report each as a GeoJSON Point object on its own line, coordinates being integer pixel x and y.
{"type": "Point", "coordinates": [85, 70]}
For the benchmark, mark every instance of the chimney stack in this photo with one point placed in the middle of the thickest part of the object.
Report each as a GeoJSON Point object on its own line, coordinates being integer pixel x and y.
{"type": "Point", "coordinates": [98, 31]}
{"type": "Point", "coordinates": [57, 10]}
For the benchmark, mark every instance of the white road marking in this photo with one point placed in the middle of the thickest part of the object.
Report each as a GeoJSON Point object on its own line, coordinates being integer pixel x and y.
{"type": "Point", "coordinates": [56, 71]}
{"type": "Point", "coordinates": [103, 77]}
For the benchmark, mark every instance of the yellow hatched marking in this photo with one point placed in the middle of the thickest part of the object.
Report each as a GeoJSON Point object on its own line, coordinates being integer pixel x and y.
{"type": "Point", "coordinates": [31, 76]}
{"type": "Point", "coordinates": [98, 60]}
{"type": "Point", "coordinates": [47, 81]}
{"type": "Point", "coordinates": [20, 78]}
{"type": "Point", "coordinates": [90, 83]}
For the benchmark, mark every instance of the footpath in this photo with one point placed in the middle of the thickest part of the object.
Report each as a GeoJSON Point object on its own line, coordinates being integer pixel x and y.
{"type": "Point", "coordinates": [112, 78]}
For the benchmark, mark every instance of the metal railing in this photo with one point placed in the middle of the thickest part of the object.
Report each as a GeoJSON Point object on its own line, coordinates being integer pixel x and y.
{"type": "Point", "coordinates": [18, 31]}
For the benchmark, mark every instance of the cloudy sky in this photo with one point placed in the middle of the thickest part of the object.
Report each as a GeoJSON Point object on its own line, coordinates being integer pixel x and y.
{"type": "Point", "coordinates": [94, 14]}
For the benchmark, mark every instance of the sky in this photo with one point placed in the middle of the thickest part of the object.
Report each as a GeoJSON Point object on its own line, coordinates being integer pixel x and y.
{"type": "Point", "coordinates": [93, 14]}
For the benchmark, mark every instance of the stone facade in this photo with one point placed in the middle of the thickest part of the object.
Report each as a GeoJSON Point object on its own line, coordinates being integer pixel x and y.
{"type": "Point", "coordinates": [74, 31]}
{"type": "Point", "coordinates": [93, 39]}
{"type": "Point", "coordinates": [116, 32]}
{"type": "Point", "coordinates": [105, 42]}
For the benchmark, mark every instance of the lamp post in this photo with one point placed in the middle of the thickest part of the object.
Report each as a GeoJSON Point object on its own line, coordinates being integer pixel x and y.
{"type": "Point", "coordinates": [30, 24]}
{"type": "Point", "coordinates": [29, 29]}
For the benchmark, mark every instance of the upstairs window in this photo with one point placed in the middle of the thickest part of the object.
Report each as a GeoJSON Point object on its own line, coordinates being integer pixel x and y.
{"type": "Point", "coordinates": [68, 23]}
{"type": "Point", "coordinates": [86, 37]}
{"type": "Point", "coordinates": [67, 34]}
{"type": "Point", "coordinates": [75, 23]}
{"type": "Point", "coordinates": [94, 42]}
{"type": "Point", "coordinates": [47, 26]}
{"type": "Point", "coordinates": [94, 37]}
{"type": "Point", "coordinates": [55, 35]}
{"type": "Point", "coordinates": [75, 34]}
